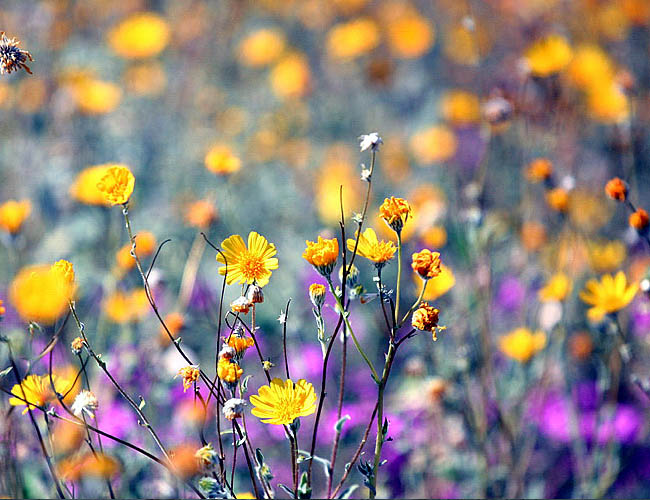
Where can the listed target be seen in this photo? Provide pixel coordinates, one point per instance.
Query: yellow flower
(201, 214)
(4, 310)
(282, 402)
(85, 190)
(96, 97)
(395, 212)
(425, 318)
(608, 103)
(65, 270)
(13, 213)
(557, 288)
(435, 144)
(336, 171)
(522, 344)
(78, 466)
(410, 35)
(248, 265)
(607, 256)
(548, 55)
(322, 254)
(229, 371)
(144, 34)
(40, 293)
(221, 160)
(460, 107)
(352, 39)
(317, 293)
(372, 249)
(121, 307)
(146, 79)
(558, 199)
(37, 390)
(240, 344)
(261, 47)
(590, 65)
(539, 170)
(290, 77)
(117, 184)
(438, 286)
(426, 263)
(609, 295)
(190, 375)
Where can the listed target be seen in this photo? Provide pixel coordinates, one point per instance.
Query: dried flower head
(370, 141)
(190, 375)
(426, 263)
(240, 305)
(616, 189)
(234, 408)
(207, 456)
(255, 294)
(317, 294)
(85, 402)
(227, 352)
(395, 212)
(12, 58)
(425, 318)
(639, 220)
(497, 110)
(322, 254)
(117, 184)
(76, 345)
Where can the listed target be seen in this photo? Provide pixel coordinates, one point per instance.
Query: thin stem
(339, 410)
(399, 277)
(415, 304)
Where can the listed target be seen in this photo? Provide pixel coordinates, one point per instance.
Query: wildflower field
(324, 249)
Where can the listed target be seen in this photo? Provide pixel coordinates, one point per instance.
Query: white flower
(234, 408)
(371, 140)
(85, 401)
(365, 174)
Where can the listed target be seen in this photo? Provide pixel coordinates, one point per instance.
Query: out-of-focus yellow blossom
(261, 47)
(117, 184)
(590, 65)
(539, 170)
(281, 402)
(290, 77)
(548, 55)
(438, 286)
(608, 256)
(410, 35)
(89, 464)
(556, 288)
(84, 189)
(6, 94)
(425, 318)
(434, 237)
(609, 295)
(37, 390)
(612, 22)
(336, 171)
(460, 107)
(40, 293)
(67, 437)
(145, 244)
(586, 210)
(349, 40)
(96, 97)
(637, 11)
(31, 95)
(175, 322)
(252, 264)
(347, 7)
(465, 46)
(146, 79)
(429, 202)
(533, 235)
(221, 160)
(13, 213)
(121, 307)
(200, 214)
(433, 145)
(522, 344)
(140, 35)
(371, 248)
(607, 103)
(558, 199)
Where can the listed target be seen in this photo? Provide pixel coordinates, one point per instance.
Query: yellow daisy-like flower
(248, 265)
(85, 190)
(522, 344)
(609, 295)
(548, 55)
(37, 390)
(13, 213)
(607, 256)
(322, 254)
(117, 184)
(557, 288)
(144, 34)
(40, 293)
(282, 402)
(371, 248)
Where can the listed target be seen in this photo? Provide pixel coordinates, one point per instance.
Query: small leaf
(142, 404)
(259, 458)
(5, 372)
(338, 426)
(304, 491)
(244, 384)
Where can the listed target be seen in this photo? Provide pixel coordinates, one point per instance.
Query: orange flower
(229, 371)
(322, 254)
(639, 220)
(145, 245)
(117, 184)
(190, 375)
(221, 160)
(558, 199)
(395, 212)
(13, 213)
(426, 263)
(317, 294)
(240, 343)
(426, 318)
(201, 214)
(539, 170)
(616, 189)
(2, 308)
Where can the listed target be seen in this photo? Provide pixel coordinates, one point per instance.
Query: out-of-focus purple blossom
(202, 297)
(471, 148)
(511, 294)
(640, 318)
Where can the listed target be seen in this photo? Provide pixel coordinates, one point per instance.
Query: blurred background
(502, 120)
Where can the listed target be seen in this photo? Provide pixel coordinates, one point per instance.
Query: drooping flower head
(609, 295)
(639, 220)
(13, 213)
(234, 408)
(317, 293)
(12, 58)
(371, 248)
(37, 391)
(252, 264)
(616, 189)
(241, 305)
(281, 402)
(426, 263)
(521, 344)
(117, 184)
(322, 254)
(239, 342)
(425, 318)
(395, 212)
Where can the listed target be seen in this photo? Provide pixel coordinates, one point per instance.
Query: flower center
(251, 265)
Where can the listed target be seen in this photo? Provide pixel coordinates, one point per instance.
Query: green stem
(415, 305)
